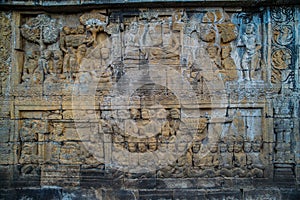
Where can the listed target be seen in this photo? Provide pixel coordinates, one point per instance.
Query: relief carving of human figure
(251, 57)
(26, 132)
(73, 43)
(131, 42)
(66, 48)
(46, 62)
(30, 65)
(255, 157)
(228, 64)
(239, 158)
(57, 62)
(170, 45)
(152, 39)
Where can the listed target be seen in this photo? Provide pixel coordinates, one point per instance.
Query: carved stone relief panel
(162, 102)
(180, 92)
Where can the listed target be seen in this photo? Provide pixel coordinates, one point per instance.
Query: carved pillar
(283, 74)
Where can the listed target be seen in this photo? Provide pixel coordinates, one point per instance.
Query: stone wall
(178, 102)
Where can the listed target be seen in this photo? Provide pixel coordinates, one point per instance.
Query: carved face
(27, 124)
(196, 147)
(80, 29)
(163, 147)
(257, 143)
(214, 148)
(47, 54)
(256, 146)
(174, 113)
(238, 147)
(212, 51)
(131, 147)
(135, 113)
(230, 148)
(208, 33)
(105, 53)
(134, 28)
(57, 55)
(249, 28)
(28, 149)
(223, 147)
(181, 147)
(145, 114)
(67, 30)
(73, 30)
(152, 146)
(165, 130)
(142, 147)
(247, 147)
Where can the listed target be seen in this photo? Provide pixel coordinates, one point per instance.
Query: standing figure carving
(251, 57)
(131, 42)
(30, 66)
(74, 43)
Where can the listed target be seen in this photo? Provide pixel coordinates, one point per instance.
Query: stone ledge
(100, 193)
(74, 5)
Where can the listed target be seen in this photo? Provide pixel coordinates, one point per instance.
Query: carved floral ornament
(282, 14)
(282, 34)
(281, 58)
(282, 40)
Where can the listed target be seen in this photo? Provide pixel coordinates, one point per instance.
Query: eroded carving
(102, 48)
(281, 59)
(251, 57)
(94, 22)
(5, 47)
(217, 33)
(283, 37)
(41, 30)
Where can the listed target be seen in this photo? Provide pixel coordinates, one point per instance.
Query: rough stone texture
(149, 103)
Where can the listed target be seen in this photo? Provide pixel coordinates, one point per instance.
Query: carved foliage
(282, 45)
(41, 30)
